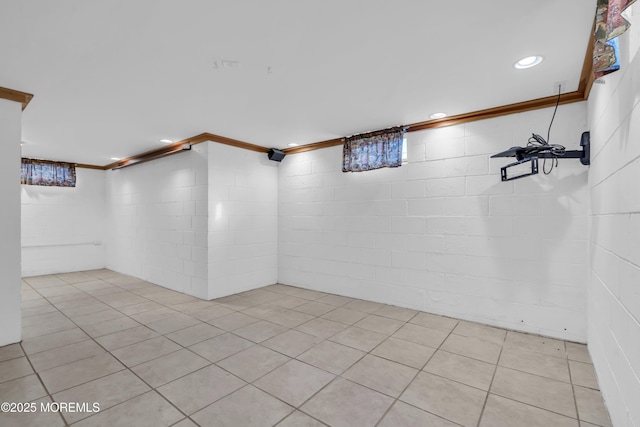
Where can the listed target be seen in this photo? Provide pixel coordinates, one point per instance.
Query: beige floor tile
(231, 411)
(33, 419)
(583, 374)
(106, 391)
(38, 310)
(261, 295)
(75, 277)
(144, 351)
(481, 332)
(421, 335)
(363, 306)
(14, 368)
(110, 326)
(210, 313)
(93, 307)
(79, 372)
(462, 369)
(473, 348)
(294, 382)
(43, 319)
(91, 318)
(379, 324)
(169, 367)
(291, 343)
(578, 352)
(290, 318)
(146, 410)
(544, 345)
(360, 339)
(172, 323)
(538, 391)
(405, 352)
(335, 300)
(55, 340)
(194, 334)
(535, 363)
(282, 289)
(264, 311)
(331, 357)
(63, 355)
(44, 281)
(154, 315)
(322, 328)
(221, 347)
(232, 321)
(236, 303)
(591, 407)
(47, 328)
(12, 351)
(398, 313)
(253, 363)
(501, 412)
(345, 404)
(24, 389)
(446, 398)
(139, 308)
(185, 423)
(126, 337)
(298, 419)
(260, 331)
(382, 375)
(344, 315)
(288, 301)
(310, 295)
(405, 415)
(192, 306)
(56, 291)
(315, 308)
(200, 388)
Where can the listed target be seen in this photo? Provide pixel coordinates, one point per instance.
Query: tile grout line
(493, 377)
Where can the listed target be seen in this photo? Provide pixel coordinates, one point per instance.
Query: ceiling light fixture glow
(528, 62)
(292, 144)
(438, 115)
(116, 158)
(166, 141)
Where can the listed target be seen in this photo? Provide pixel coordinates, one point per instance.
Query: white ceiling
(112, 78)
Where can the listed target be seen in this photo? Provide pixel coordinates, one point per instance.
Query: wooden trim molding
(17, 96)
(582, 94)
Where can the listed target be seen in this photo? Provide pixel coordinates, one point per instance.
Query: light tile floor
(278, 355)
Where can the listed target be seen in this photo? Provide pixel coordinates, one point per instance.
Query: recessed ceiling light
(116, 158)
(528, 62)
(293, 144)
(438, 115)
(166, 141)
(22, 142)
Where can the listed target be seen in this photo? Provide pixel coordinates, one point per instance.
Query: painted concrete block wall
(63, 229)
(614, 291)
(442, 233)
(157, 221)
(10, 136)
(243, 221)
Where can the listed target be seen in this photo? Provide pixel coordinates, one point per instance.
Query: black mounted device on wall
(276, 155)
(531, 153)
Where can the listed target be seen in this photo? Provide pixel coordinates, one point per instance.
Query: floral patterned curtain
(609, 25)
(45, 172)
(374, 150)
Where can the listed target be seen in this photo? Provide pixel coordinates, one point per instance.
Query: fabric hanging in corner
(609, 25)
(375, 150)
(48, 173)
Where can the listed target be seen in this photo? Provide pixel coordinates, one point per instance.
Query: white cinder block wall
(243, 221)
(157, 221)
(442, 233)
(614, 291)
(63, 229)
(10, 136)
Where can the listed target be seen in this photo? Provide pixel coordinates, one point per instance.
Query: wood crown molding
(582, 94)
(17, 96)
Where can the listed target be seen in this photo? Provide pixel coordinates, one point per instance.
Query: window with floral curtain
(609, 25)
(48, 173)
(375, 150)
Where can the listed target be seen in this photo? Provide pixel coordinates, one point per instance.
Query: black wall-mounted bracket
(529, 154)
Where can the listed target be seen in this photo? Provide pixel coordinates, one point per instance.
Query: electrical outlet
(562, 84)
